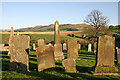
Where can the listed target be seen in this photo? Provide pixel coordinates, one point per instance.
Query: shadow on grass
(32, 55)
(86, 53)
(33, 67)
(82, 69)
(89, 58)
(5, 61)
(33, 59)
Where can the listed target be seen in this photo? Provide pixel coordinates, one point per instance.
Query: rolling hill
(63, 27)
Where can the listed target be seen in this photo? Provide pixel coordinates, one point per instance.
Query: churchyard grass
(87, 59)
(35, 37)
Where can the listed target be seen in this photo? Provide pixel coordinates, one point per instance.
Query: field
(87, 59)
(34, 37)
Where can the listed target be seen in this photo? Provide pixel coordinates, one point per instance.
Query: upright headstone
(58, 46)
(79, 47)
(105, 55)
(64, 46)
(18, 33)
(19, 55)
(34, 47)
(95, 48)
(41, 42)
(89, 47)
(118, 54)
(72, 49)
(69, 65)
(50, 44)
(10, 38)
(45, 57)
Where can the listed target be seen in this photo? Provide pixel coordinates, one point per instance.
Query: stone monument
(57, 46)
(72, 49)
(105, 55)
(69, 65)
(19, 54)
(45, 57)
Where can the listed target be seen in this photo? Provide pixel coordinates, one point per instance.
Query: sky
(31, 14)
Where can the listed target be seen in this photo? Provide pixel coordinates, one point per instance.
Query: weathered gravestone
(10, 38)
(64, 46)
(41, 42)
(45, 57)
(34, 47)
(95, 48)
(89, 47)
(105, 55)
(69, 65)
(72, 49)
(79, 47)
(19, 54)
(58, 46)
(118, 54)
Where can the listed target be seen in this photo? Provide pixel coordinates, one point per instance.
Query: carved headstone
(64, 46)
(95, 47)
(72, 49)
(19, 55)
(18, 33)
(105, 55)
(79, 47)
(89, 47)
(58, 46)
(41, 42)
(45, 57)
(10, 38)
(69, 65)
(118, 54)
(34, 47)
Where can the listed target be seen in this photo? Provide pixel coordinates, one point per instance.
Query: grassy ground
(34, 37)
(57, 73)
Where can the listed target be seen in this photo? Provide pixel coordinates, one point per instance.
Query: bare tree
(96, 19)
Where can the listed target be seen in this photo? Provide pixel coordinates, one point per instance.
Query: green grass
(35, 37)
(116, 31)
(87, 59)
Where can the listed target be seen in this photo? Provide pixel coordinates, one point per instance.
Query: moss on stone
(100, 69)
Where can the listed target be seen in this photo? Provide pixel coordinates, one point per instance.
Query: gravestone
(34, 47)
(72, 49)
(79, 47)
(10, 38)
(69, 65)
(45, 57)
(50, 44)
(118, 54)
(89, 47)
(18, 33)
(41, 42)
(95, 48)
(19, 54)
(105, 55)
(64, 46)
(58, 46)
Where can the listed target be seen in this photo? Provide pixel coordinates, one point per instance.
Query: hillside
(63, 27)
